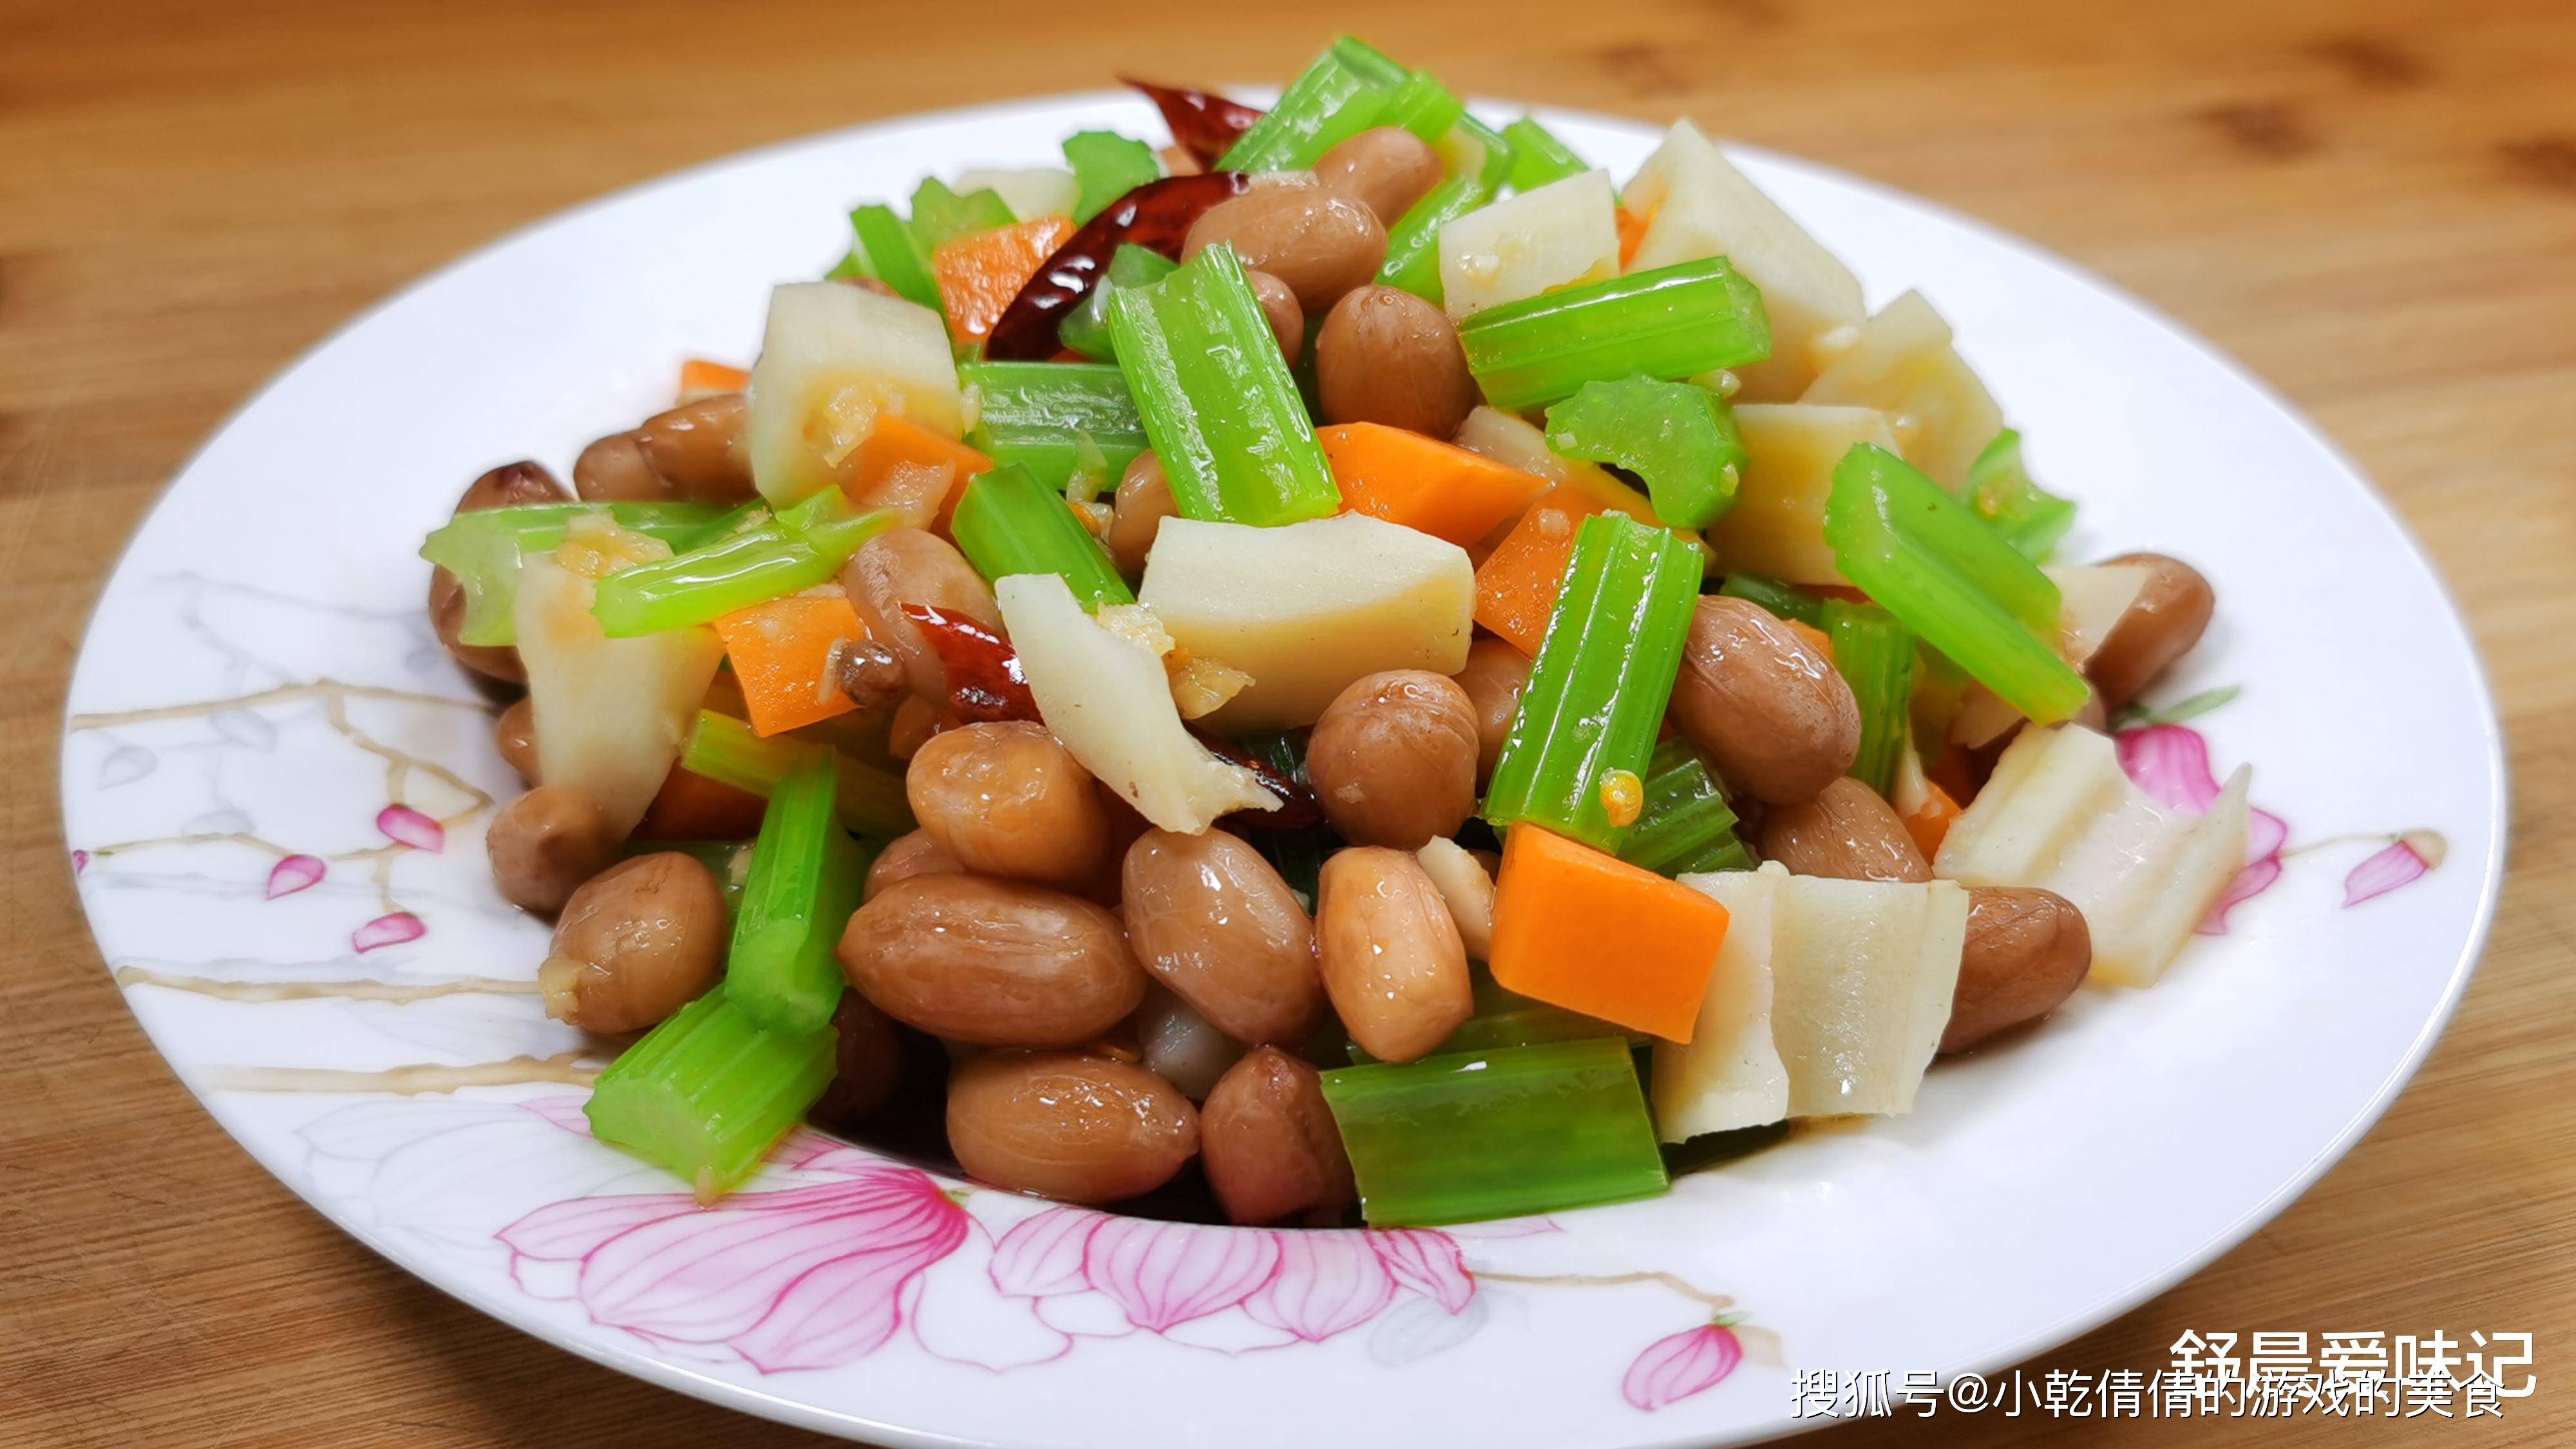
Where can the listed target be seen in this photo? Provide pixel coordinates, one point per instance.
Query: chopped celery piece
(1505, 1018)
(1106, 166)
(1672, 322)
(1423, 106)
(939, 214)
(1413, 243)
(1923, 556)
(853, 263)
(1781, 599)
(797, 549)
(894, 256)
(1686, 825)
(1496, 1133)
(1010, 523)
(1604, 673)
(1680, 438)
(1218, 402)
(1538, 157)
(1085, 329)
(1499, 154)
(2027, 516)
(804, 883)
(1338, 97)
(725, 750)
(1038, 413)
(483, 549)
(709, 1091)
(1876, 657)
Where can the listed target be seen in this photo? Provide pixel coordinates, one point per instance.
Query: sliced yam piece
(612, 714)
(1582, 929)
(1306, 608)
(1862, 973)
(781, 653)
(1107, 697)
(980, 272)
(2095, 597)
(1424, 484)
(2061, 815)
(833, 360)
(1777, 525)
(1701, 206)
(1902, 363)
(1558, 235)
(1730, 1074)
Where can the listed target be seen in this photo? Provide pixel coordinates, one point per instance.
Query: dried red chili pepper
(1156, 216)
(985, 682)
(1298, 807)
(1203, 124)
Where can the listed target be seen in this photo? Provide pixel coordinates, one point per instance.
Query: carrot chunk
(781, 653)
(1516, 586)
(1427, 485)
(979, 273)
(906, 466)
(701, 378)
(1931, 819)
(1584, 930)
(693, 807)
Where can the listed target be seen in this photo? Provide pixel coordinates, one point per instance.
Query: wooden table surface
(2371, 202)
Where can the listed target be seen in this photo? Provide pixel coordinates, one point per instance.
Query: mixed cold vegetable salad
(1349, 651)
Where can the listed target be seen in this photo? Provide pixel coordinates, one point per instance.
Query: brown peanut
(991, 963)
(867, 1061)
(1384, 168)
(1392, 959)
(1279, 308)
(697, 448)
(614, 469)
(637, 942)
(1068, 1125)
(1393, 758)
(1772, 714)
(1386, 356)
(1318, 241)
(1215, 923)
(1846, 832)
(514, 734)
(1144, 501)
(1268, 1141)
(910, 566)
(908, 855)
(2161, 625)
(1006, 799)
(2026, 952)
(545, 844)
(507, 486)
(1495, 675)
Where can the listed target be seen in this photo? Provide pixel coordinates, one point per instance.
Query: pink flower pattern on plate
(2406, 858)
(2170, 762)
(294, 873)
(1672, 1369)
(405, 826)
(392, 929)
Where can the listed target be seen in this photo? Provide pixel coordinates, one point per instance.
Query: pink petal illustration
(2406, 859)
(1672, 1369)
(1327, 1283)
(2256, 878)
(563, 1112)
(1428, 1263)
(1419, 1327)
(295, 873)
(1163, 1274)
(80, 861)
(390, 930)
(405, 826)
(568, 1231)
(2170, 763)
(1041, 1256)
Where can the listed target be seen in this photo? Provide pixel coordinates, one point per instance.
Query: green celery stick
(895, 257)
(725, 750)
(1496, 154)
(797, 549)
(1505, 1018)
(1876, 657)
(1423, 106)
(1010, 523)
(1038, 413)
(1686, 824)
(729, 861)
(708, 1092)
(804, 883)
(1672, 322)
(939, 214)
(1924, 557)
(2001, 492)
(1781, 599)
(1106, 166)
(1218, 402)
(853, 263)
(1085, 329)
(1337, 97)
(483, 549)
(1604, 673)
(1495, 1133)
(1680, 438)
(1413, 243)
(1538, 157)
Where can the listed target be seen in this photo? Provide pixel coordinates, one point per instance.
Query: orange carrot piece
(701, 378)
(979, 273)
(906, 466)
(693, 807)
(1578, 928)
(1516, 587)
(1931, 821)
(1425, 484)
(1632, 230)
(781, 653)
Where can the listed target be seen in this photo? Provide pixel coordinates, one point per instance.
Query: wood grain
(2371, 202)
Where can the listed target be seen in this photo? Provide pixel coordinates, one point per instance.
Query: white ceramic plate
(259, 687)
